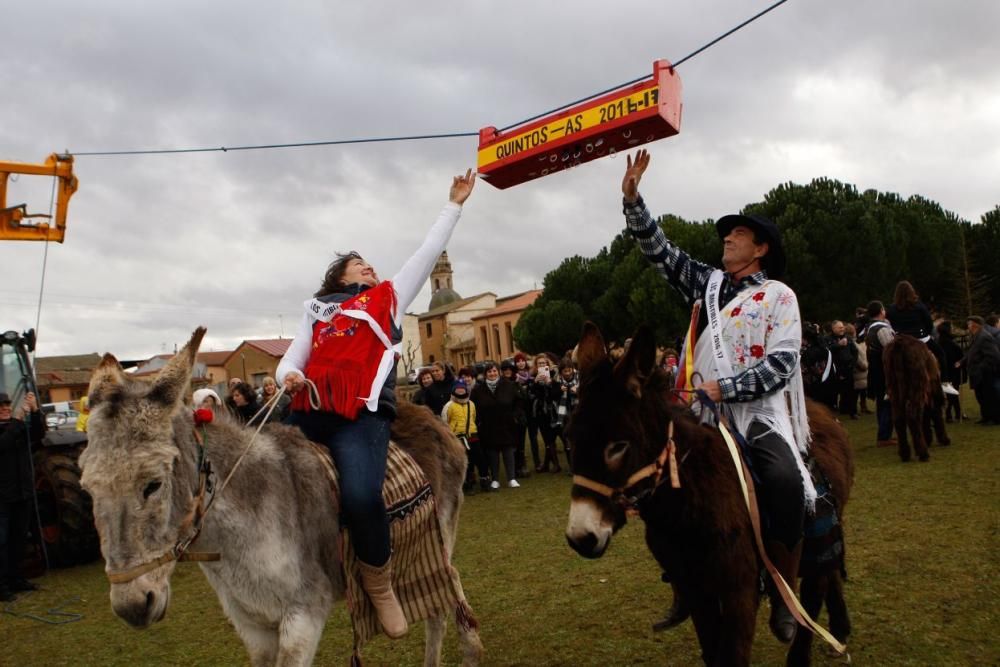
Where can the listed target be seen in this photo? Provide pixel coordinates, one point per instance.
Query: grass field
(922, 545)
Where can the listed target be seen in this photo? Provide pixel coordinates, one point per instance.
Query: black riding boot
(783, 624)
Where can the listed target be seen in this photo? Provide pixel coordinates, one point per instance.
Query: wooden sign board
(629, 117)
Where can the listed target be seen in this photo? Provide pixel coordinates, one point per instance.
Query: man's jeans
(883, 414)
(359, 449)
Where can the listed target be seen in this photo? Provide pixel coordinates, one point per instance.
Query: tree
(844, 247)
(553, 327)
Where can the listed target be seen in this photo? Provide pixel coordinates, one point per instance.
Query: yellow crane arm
(16, 224)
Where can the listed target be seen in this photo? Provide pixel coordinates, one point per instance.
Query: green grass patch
(922, 557)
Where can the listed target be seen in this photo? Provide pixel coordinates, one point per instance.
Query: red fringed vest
(350, 359)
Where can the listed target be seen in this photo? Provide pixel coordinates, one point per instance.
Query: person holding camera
(20, 433)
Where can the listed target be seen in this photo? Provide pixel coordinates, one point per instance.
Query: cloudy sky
(897, 96)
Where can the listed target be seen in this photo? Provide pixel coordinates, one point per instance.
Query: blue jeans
(359, 449)
(883, 414)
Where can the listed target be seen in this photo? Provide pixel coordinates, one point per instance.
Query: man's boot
(377, 582)
(783, 624)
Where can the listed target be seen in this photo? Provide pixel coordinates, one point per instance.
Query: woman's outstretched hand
(461, 187)
(633, 174)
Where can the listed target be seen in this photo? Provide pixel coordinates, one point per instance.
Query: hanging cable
(45, 264)
(336, 142)
(645, 76)
(449, 135)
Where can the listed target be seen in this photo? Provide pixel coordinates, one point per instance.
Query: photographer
(19, 434)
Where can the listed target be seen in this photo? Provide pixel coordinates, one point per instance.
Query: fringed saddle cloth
(423, 578)
(823, 543)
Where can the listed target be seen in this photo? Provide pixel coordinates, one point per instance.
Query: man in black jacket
(18, 434)
(845, 358)
(982, 360)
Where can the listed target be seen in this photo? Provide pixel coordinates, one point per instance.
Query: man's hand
(294, 382)
(461, 187)
(712, 389)
(633, 174)
(28, 404)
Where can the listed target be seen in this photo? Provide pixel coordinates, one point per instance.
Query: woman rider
(346, 349)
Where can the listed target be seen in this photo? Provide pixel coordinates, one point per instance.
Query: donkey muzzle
(588, 533)
(139, 604)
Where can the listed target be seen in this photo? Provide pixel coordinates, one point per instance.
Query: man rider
(749, 336)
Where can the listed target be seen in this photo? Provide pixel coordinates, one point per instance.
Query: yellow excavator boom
(16, 223)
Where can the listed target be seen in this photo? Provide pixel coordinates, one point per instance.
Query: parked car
(59, 416)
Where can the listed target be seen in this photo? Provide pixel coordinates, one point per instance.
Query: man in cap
(747, 356)
(18, 434)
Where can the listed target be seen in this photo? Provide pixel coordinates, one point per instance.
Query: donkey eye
(618, 447)
(151, 488)
(613, 452)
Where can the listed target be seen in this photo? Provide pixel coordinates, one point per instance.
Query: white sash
(723, 367)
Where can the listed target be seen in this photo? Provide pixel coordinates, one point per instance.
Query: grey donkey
(275, 524)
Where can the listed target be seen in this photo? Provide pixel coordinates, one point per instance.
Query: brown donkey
(913, 382)
(700, 533)
(275, 525)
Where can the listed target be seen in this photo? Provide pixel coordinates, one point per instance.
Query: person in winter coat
(460, 415)
(439, 391)
(816, 362)
(860, 372)
(543, 394)
(508, 371)
(268, 389)
(877, 337)
(845, 359)
(951, 371)
(569, 387)
(982, 360)
(908, 315)
(19, 434)
(497, 405)
(244, 402)
(528, 426)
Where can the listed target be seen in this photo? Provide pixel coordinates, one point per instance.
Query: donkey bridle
(197, 508)
(619, 495)
(188, 531)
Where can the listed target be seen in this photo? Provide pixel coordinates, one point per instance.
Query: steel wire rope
(415, 137)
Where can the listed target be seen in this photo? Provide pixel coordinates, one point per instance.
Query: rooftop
(512, 304)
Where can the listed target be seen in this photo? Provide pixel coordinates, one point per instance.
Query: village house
(64, 378)
(494, 329)
(253, 360)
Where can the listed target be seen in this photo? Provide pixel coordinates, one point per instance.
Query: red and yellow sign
(642, 113)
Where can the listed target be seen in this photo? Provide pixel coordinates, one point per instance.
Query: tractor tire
(65, 509)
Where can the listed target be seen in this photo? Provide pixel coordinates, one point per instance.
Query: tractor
(66, 517)
(64, 509)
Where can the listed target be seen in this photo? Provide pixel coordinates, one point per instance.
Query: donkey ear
(591, 349)
(638, 363)
(171, 383)
(106, 382)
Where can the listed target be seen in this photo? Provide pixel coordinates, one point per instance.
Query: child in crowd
(460, 415)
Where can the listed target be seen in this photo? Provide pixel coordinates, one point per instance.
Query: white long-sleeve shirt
(407, 283)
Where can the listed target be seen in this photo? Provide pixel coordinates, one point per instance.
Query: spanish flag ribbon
(685, 371)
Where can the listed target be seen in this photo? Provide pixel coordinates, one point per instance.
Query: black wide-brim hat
(774, 261)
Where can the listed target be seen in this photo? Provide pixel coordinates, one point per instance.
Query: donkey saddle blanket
(423, 578)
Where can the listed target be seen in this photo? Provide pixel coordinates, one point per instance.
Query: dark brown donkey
(913, 382)
(700, 533)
